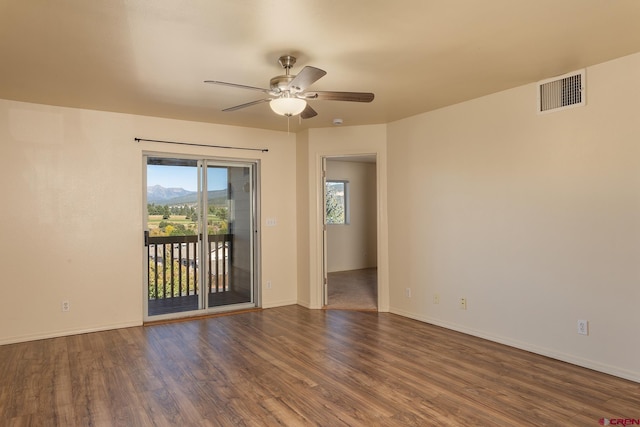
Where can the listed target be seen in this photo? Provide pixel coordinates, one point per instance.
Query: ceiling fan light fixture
(287, 93)
(288, 106)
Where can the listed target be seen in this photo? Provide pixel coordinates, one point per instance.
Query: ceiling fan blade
(305, 78)
(308, 112)
(238, 86)
(248, 104)
(341, 96)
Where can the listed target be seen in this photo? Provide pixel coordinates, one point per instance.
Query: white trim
(281, 303)
(578, 361)
(304, 304)
(321, 209)
(316, 227)
(69, 332)
(143, 247)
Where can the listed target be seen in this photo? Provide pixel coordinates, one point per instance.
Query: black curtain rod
(264, 150)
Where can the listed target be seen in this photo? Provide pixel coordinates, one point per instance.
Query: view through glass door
(199, 236)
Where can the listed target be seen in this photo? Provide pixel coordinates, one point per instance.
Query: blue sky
(185, 177)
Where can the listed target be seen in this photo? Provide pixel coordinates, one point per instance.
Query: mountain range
(173, 196)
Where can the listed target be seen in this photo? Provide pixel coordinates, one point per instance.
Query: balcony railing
(173, 268)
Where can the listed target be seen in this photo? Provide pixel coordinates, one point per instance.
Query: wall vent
(562, 92)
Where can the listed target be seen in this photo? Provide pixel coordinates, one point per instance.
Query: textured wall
(535, 219)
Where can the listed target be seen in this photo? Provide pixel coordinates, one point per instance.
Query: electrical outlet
(583, 327)
(268, 284)
(463, 303)
(407, 292)
(436, 298)
(66, 306)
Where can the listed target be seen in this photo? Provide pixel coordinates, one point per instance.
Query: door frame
(322, 262)
(256, 255)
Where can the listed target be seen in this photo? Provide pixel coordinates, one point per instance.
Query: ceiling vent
(562, 92)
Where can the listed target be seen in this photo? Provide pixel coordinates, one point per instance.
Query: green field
(174, 223)
(154, 220)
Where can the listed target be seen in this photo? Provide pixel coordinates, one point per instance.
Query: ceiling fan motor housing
(281, 83)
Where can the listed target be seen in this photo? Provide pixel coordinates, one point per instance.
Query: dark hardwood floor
(296, 367)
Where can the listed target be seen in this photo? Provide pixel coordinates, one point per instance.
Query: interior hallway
(353, 290)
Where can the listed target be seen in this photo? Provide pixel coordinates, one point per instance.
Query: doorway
(350, 233)
(200, 239)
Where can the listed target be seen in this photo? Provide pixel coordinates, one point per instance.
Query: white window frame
(345, 201)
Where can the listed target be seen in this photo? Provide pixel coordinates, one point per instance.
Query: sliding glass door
(200, 238)
(231, 258)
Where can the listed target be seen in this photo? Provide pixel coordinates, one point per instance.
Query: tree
(335, 206)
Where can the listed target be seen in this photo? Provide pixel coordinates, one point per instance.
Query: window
(336, 196)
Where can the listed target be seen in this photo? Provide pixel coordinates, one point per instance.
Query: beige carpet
(353, 290)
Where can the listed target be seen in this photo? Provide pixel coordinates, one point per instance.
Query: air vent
(561, 92)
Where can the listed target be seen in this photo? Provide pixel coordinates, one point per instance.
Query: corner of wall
(302, 215)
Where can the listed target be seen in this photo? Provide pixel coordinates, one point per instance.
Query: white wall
(352, 246)
(535, 219)
(72, 214)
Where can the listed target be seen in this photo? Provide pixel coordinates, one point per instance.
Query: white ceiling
(151, 57)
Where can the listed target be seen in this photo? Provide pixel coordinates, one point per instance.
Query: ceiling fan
(288, 95)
